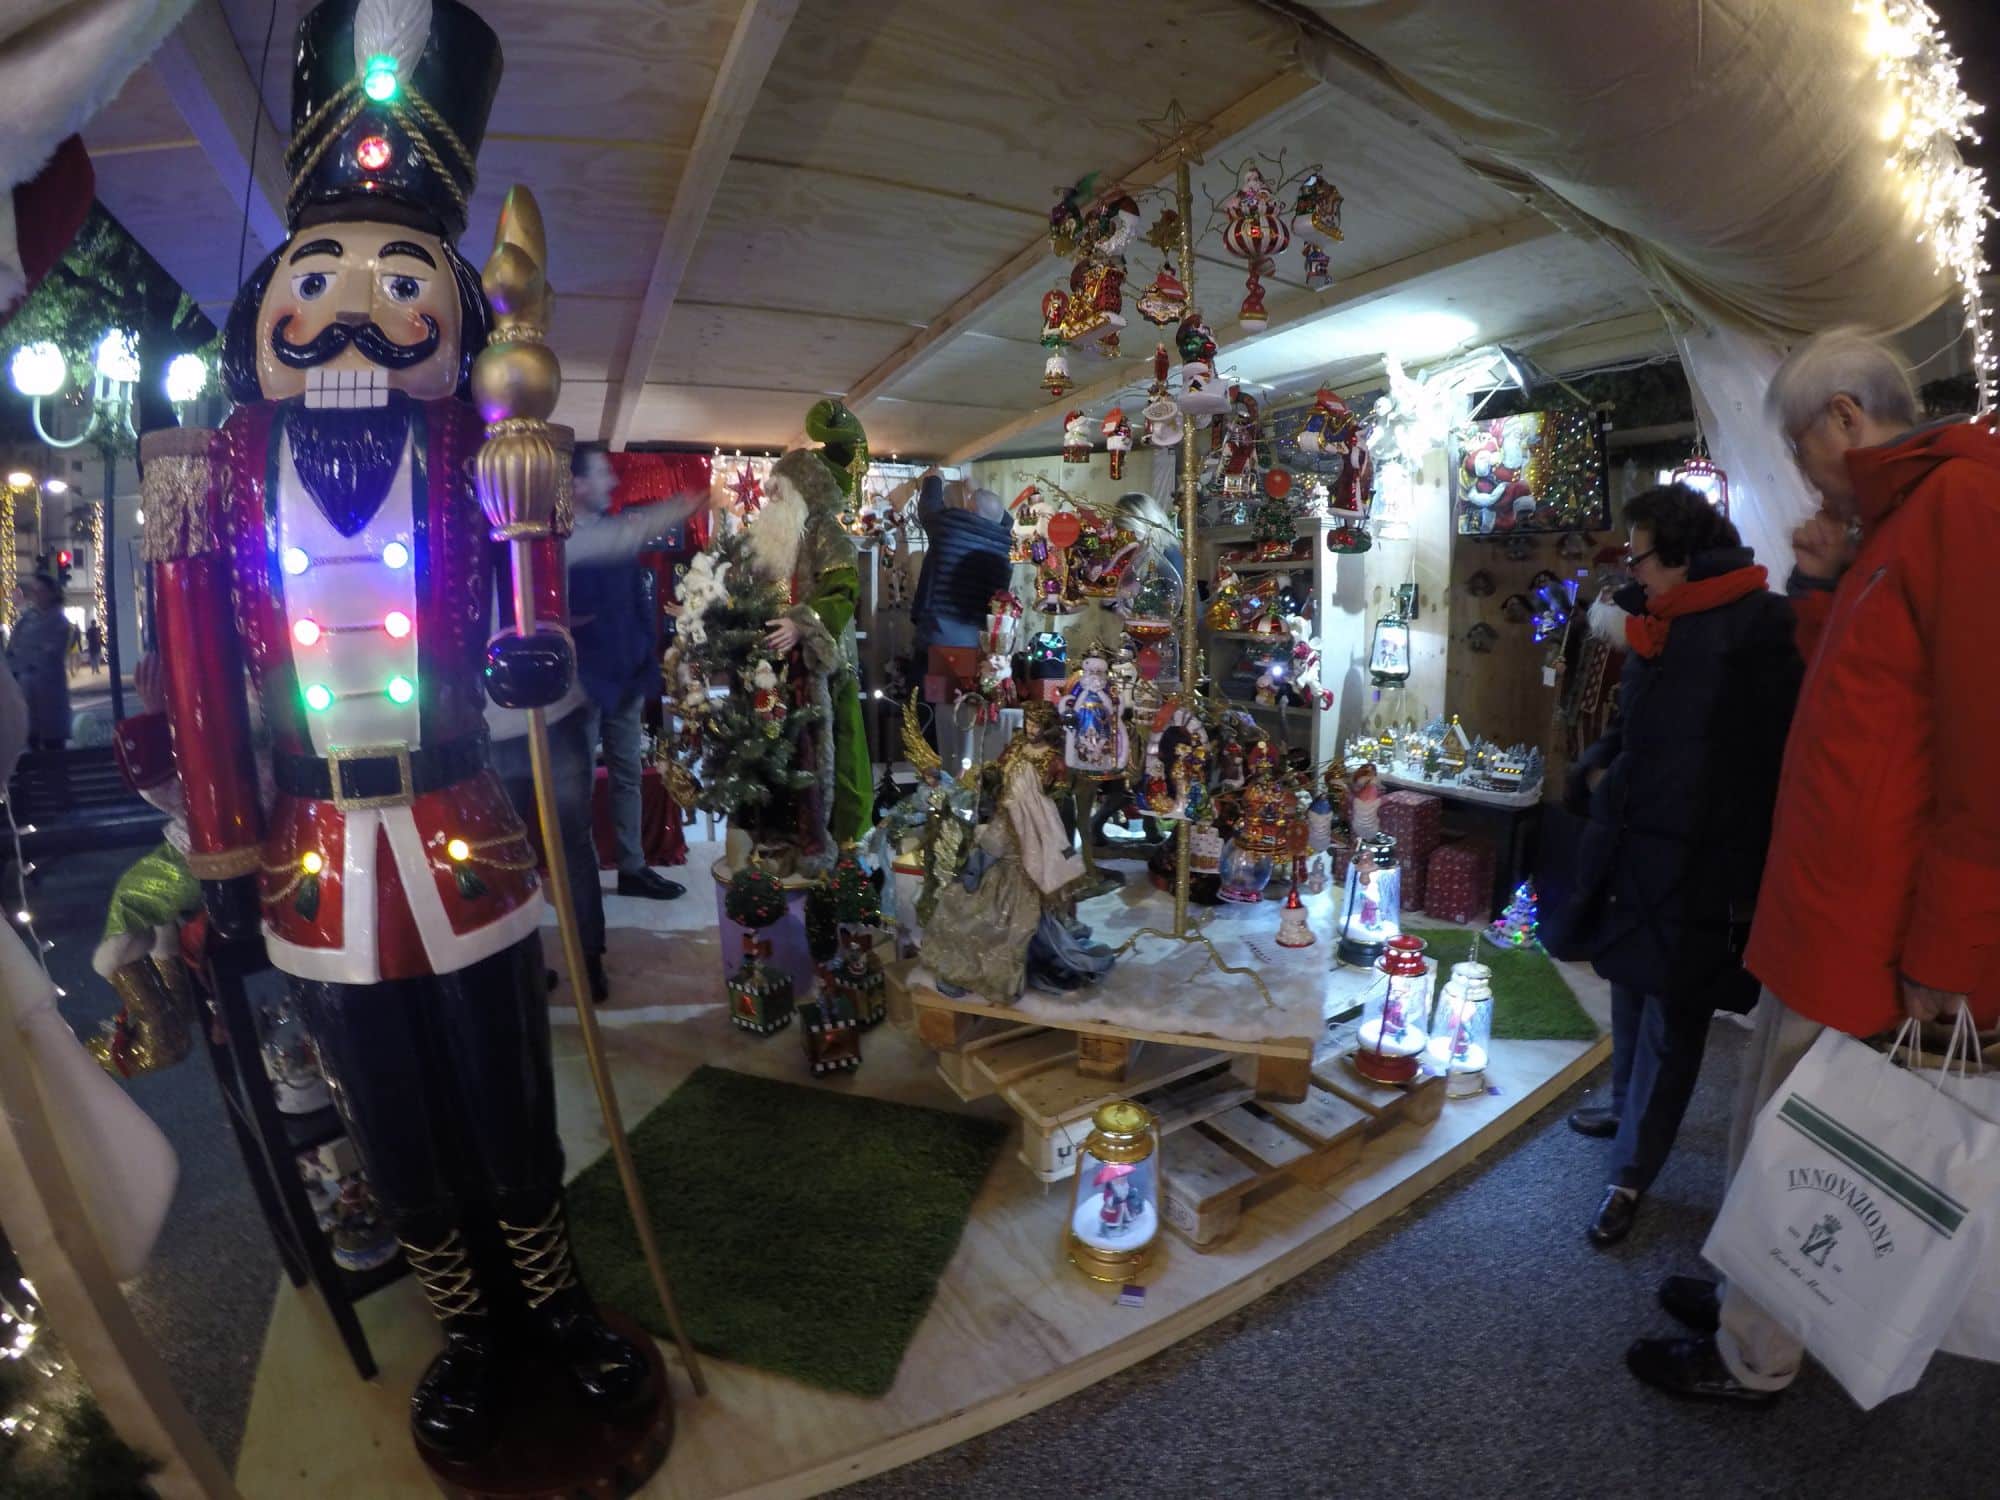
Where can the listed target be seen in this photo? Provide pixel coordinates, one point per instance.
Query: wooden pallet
(1100, 1051)
(1233, 1154)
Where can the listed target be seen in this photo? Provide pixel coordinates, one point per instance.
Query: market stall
(1137, 626)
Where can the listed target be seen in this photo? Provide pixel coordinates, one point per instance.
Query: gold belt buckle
(403, 796)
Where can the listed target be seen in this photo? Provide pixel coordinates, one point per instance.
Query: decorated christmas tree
(1271, 525)
(749, 738)
(1516, 926)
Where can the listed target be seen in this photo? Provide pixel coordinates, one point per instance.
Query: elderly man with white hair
(1881, 892)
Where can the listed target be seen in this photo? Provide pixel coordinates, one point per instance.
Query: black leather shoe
(608, 1370)
(1614, 1217)
(649, 884)
(452, 1408)
(1595, 1122)
(600, 984)
(1693, 1301)
(1691, 1369)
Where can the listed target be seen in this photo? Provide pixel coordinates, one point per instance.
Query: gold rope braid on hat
(412, 112)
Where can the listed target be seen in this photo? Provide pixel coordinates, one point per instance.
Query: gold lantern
(1114, 1220)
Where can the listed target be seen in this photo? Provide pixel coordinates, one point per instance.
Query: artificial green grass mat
(803, 1229)
(1532, 1002)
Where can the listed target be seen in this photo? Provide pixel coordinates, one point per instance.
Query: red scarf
(1647, 633)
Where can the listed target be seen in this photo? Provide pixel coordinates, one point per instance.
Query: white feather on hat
(393, 28)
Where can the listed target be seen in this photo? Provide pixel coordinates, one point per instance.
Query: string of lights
(1929, 115)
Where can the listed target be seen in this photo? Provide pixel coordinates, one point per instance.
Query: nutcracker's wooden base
(553, 1447)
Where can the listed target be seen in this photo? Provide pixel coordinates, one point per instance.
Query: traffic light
(63, 561)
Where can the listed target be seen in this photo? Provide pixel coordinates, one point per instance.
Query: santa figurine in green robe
(796, 542)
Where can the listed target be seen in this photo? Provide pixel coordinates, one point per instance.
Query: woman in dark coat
(1679, 794)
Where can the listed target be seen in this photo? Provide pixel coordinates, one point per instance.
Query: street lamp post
(40, 371)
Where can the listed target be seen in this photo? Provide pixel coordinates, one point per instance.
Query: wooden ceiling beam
(760, 29)
(1354, 291)
(1267, 107)
(211, 86)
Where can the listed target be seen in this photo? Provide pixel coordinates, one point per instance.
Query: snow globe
(1392, 1039)
(1373, 912)
(1464, 1030)
(1114, 1218)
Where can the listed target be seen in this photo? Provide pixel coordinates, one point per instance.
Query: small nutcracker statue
(856, 974)
(328, 538)
(831, 1032)
(760, 993)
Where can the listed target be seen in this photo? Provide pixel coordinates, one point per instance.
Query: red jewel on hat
(373, 153)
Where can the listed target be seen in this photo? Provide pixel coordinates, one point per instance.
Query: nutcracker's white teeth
(346, 389)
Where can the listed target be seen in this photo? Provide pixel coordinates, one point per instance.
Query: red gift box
(1415, 821)
(1459, 881)
(1414, 884)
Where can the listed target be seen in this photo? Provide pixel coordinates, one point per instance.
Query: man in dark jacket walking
(1679, 793)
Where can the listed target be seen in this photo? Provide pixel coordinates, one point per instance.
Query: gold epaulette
(178, 474)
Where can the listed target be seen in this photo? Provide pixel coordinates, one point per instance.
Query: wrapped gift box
(1415, 820)
(1458, 883)
(1414, 892)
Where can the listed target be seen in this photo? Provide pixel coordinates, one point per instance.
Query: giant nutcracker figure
(328, 538)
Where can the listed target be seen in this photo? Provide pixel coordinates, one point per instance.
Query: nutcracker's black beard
(347, 459)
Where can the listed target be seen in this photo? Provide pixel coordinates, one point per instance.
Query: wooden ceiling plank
(1355, 291)
(211, 86)
(760, 27)
(1269, 105)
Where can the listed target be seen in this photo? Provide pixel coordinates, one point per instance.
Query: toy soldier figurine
(328, 536)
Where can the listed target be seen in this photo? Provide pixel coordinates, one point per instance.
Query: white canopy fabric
(1733, 148)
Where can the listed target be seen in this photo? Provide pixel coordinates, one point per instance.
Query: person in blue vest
(615, 618)
(966, 563)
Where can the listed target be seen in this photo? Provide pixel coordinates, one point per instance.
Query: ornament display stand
(272, 1142)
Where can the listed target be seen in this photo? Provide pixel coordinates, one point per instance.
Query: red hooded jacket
(1885, 847)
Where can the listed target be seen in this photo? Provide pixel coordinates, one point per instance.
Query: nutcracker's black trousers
(445, 1087)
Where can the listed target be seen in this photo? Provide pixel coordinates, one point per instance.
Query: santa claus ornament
(1077, 438)
(1117, 439)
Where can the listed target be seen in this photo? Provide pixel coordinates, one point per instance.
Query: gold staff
(522, 479)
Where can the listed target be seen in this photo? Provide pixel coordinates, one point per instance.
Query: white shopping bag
(1859, 1216)
(1975, 1332)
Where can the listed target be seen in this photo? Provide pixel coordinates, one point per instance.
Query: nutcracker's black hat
(389, 104)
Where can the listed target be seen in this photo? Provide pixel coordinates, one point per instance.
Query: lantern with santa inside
(1114, 1218)
(1389, 1048)
(1463, 1030)
(1373, 911)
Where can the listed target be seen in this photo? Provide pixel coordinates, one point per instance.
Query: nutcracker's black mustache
(376, 346)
